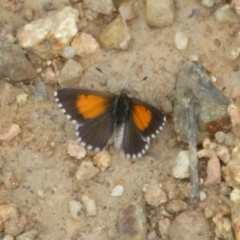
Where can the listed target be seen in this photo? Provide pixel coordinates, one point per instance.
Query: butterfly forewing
(96, 133)
(148, 119)
(91, 112)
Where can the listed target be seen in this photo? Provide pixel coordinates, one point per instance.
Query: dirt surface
(36, 162)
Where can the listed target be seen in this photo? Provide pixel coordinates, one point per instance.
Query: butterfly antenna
(127, 86)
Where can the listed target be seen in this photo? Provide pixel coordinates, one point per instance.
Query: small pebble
(102, 160)
(222, 152)
(220, 137)
(154, 195)
(232, 173)
(202, 195)
(207, 151)
(235, 195)
(39, 70)
(213, 79)
(214, 149)
(163, 227)
(9, 211)
(40, 193)
(75, 208)
(28, 14)
(181, 169)
(164, 212)
(208, 213)
(227, 14)
(68, 52)
(236, 5)
(75, 150)
(223, 228)
(105, 7)
(206, 143)
(126, 10)
(193, 58)
(7, 237)
(181, 40)
(117, 191)
(50, 76)
(22, 99)
(9, 178)
(152, 235)
(207, 3)
(90, 205)
(85, 44)
(167, 105)
(86, 171)
(176, 206)
(90, 14)
(234, 53)
(12, 133)
(234, 114)
(10, 38)
(213, 172)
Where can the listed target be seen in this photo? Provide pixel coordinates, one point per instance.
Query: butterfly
(100, 116)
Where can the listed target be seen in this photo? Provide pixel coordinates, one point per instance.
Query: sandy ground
(37, 159)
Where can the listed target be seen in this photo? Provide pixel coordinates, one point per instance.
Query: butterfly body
(100, 116)
(122, 109)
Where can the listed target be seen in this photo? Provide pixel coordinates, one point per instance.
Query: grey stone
(132, 223)
(40, 92)
(70, 74)
(13, 63)
(210, 105)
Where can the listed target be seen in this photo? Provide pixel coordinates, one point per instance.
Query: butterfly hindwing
(134, 145)
(96, 133)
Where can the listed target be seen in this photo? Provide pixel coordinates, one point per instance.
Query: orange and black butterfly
(99, 116)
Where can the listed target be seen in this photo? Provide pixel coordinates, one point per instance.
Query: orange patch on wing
(91, 106)
(142, 117)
